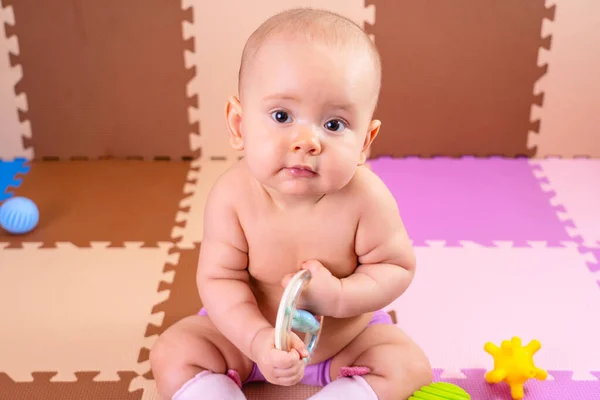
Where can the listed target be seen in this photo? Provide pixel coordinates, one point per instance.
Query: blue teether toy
(289, 317)
(19, 215)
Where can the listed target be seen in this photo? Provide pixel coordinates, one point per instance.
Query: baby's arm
(222, 276)
(385, 254)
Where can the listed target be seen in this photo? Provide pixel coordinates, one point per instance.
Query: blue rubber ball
(19, 215)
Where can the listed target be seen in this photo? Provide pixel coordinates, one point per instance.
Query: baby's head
(309, 83)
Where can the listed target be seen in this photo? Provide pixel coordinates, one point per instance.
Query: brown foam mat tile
(104, 80)
(463, 95)
(42, 387)
(102, 201)
(264, 391)
(183, 297)
(201, 178)
(70, 309)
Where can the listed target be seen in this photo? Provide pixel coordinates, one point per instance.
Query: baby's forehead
(318, 27)
(281, 48)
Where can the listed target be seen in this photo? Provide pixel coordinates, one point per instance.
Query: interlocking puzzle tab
(11, 173)
(513, 364)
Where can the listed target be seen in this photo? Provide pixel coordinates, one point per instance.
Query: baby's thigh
(191, 345)
(395, 362)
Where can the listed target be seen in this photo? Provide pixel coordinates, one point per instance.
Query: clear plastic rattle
(288, 317)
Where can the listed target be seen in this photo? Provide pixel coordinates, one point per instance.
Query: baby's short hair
(314, 24)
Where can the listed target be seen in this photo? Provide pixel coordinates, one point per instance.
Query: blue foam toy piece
(8, 176)
(19, 215)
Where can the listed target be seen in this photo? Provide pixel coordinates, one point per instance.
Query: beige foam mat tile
(569, 117)
(218, 49)
(201, 178)
(73, 309)
(11, 137)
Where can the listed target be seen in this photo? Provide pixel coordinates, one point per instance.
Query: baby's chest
(279, 247)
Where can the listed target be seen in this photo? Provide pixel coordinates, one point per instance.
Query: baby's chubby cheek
(338, 174)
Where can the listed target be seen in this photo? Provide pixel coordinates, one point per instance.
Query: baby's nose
(307, 141)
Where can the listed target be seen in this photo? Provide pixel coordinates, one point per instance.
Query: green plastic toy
(440, 391)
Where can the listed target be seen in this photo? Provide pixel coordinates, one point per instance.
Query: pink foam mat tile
(462, 298)
(475, 199)
(574, 185)
(560, 385)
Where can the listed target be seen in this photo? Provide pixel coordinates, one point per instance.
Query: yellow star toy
(514, 365)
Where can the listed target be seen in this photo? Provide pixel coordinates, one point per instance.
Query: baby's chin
(308, 189)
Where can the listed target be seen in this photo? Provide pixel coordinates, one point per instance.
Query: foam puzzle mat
(505, 247)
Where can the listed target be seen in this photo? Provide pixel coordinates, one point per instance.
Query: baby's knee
(419, 369)
(158, 353)
(174, 359)
(408, 370)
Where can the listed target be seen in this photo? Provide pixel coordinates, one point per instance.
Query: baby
(301, 198)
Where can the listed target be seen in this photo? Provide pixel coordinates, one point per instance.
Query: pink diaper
(315, 374)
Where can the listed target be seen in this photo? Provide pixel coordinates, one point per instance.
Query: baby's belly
(336, 333)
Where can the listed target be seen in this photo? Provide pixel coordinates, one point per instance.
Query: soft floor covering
(505, 248)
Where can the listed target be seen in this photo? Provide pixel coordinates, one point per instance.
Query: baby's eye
(280, 116)
(335, 125)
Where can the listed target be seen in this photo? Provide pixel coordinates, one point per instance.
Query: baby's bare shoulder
(368, 189)
(221, 217)
(230, 186)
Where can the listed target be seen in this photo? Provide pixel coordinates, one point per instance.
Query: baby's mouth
(301, 171)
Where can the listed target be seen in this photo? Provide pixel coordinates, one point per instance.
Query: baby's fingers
(284, 360)
(289, 376)
(287, 372)
(298, 345)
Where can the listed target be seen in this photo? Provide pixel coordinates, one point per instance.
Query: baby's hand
(279, 367)
(321, 296)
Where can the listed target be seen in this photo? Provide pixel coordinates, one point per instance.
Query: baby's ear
(371, 135)
(233, 120)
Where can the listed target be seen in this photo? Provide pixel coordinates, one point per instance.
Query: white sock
(208, 385)
(348, 388)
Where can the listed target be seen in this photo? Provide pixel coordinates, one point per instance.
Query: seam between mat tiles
(555, 201)
(539, 88)
(184, 205)
(158, 313)
(189, 51)
(83, 379)
(8, 19)
(583, 247)
(97, 244)
(497, 244)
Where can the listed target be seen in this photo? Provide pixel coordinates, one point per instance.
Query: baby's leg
(192, 356)
(393, 365)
